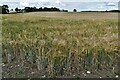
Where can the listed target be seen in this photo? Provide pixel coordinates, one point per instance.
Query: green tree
(16, 9)
(74, 10)
(4, 9)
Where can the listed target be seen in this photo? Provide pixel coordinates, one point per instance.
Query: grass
(60, 46)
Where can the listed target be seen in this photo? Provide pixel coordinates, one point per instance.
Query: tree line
(34, 9)
(5, 9)
(104, 11)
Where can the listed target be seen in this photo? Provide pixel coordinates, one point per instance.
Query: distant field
(76, 16)
(52, 44)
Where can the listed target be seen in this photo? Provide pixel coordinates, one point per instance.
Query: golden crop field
(52, 44)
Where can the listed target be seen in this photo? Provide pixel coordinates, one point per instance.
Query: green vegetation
(60, 46)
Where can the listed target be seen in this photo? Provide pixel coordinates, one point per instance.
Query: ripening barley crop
(59, 47)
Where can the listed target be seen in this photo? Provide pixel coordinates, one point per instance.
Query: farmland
(51, 44)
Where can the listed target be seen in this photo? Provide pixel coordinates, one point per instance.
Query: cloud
(101, 7)
(59, 3)
(24, 3)
(110, 4)
(45, 0)
(60, 0)
(113, 8)
(1, 4)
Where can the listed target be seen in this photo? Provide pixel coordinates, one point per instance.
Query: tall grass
(62, 47)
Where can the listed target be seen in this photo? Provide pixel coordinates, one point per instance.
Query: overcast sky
(61, 0)
(80, 5)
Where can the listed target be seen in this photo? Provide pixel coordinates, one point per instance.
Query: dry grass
(62, 44)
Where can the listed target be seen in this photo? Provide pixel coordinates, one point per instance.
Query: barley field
(52, 44)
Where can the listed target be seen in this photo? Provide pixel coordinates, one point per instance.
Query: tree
(16, 9)
(4, 9)
(5, 6)
(11, 9)
(64, 10)
(74, 10)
